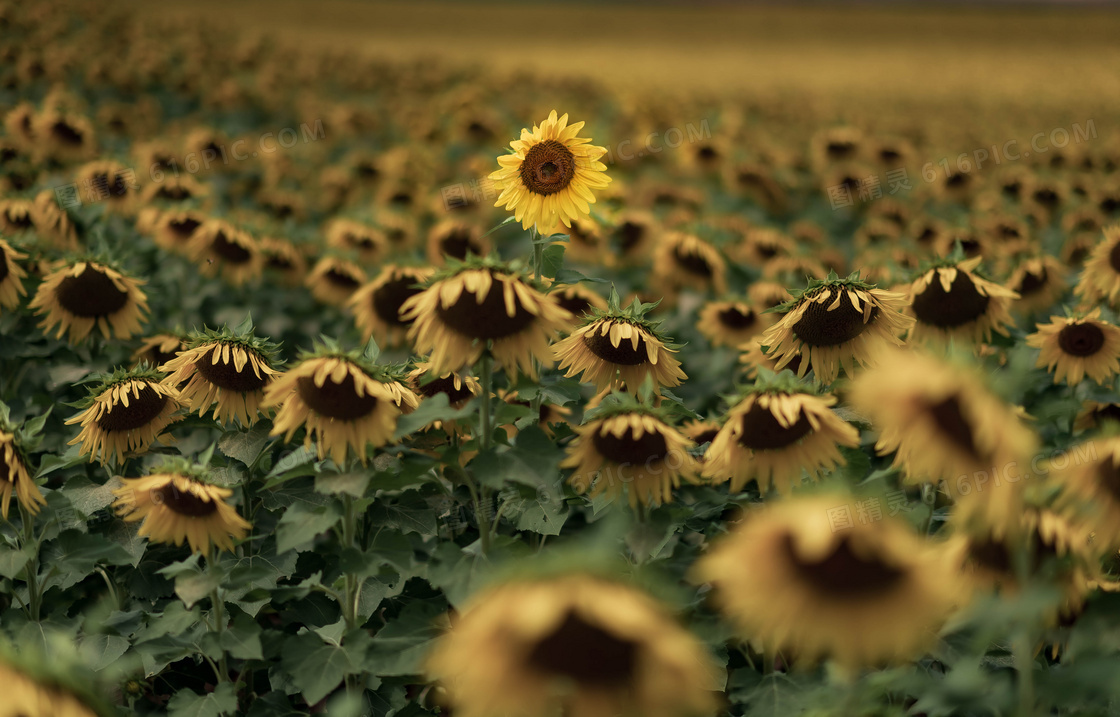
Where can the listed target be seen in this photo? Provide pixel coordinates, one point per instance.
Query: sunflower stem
(31, 570)
(1024, 663)
(218, 609)
(351, 584)
(485, 419)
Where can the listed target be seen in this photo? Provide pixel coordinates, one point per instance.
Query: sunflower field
(332, 384)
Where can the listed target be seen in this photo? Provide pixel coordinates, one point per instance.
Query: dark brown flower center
(842, 573)
(840, 150)
(630, 234)
(18, 220)
(692, 262)
(623, 355)
(1108, 476)
(485, 320)
(762, 431)
(183, 502)
(949, 418)
(230, 249)
(1032, 283)
(226, 376)
(342, 278)
(335, 400)
(574, 303)
(141, 410)
(1081, 339)
(1108, 412)
(388, 298)
(820, 327)
(991, 555)
(457, 242)
(548, 167)
(629, 449)
(1114, 257)
(183, 229)
(962, 304)
(586, 654)
(447, 386)
(3, 265)
(66, 134)
(706, 436)
(737, 320)
(90, 294)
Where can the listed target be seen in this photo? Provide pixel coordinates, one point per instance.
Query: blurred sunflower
(864, 595)
(30, 695)
(1078, 346)
(685, 261)
(768, 294)
(836, 324)
(634, 233)
(109, 182)
(951, 301)
(776, 431)
(585, 241)
(11, 276)
(480, 302)
(631, 447)
(178, 503)
(548, 178)
(579, 300)
(1039, 281)
(377, 305)
(282, 259)
(63, 136)
(334, 279)
(158, 349)
(174, 230)
(346, 402)
(15, 473)
(455, 238)
(16, 215)
(53, 225)
(573, 644)
(368, 243)
(124, 413)
(1090, 477)
(731, 322)
(226, 370)
(173, 190)
(1100, 279)
(620, 346)
(219, 248)
(78, 297)
(1094, 415)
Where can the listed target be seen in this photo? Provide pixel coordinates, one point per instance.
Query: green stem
(219, 610)
(538, 253)
(485, 418)
(352, 585)
(1023, 655)
(31, 570)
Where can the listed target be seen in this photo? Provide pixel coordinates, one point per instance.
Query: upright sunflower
(951, 301)
(478, 303)
(78, 297)
(571, 644)
(836, 324)
(346, 402)
(620, 346)
(178, 503)
(776, 431)
(1100, 279)
(15, 473)
(1073, 347)
(548, 178)
(124, 413)
(11, 276)
(377, 305)
(628, 446)
(863, 595)
(226, 370)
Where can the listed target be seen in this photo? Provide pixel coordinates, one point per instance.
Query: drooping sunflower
(836, 324)
(754, 356)
(548, 178)
(633, 448)
(16, 216)
(158, 349)
(951, 301)
(1100, 279)
(110, 182)
(571, 644)
(83, 295)
(478, 303)
(1090, 476)
(1039, 282)
(768, 294)
(549, 415)
(864, 595)
(11, 276)
(685, 261)
(283, 259)
(346, 402)
(52, 223)
(620, 346)
(1095, 415)
(221, 249)
(334, 279)
(124, 414)
(15, 473)
(579, 300)
(732, 322)
(368, 243)
(455, 238)
(633, 235)
(459, 388)
(226, 370)
(377, 305)
(776, 432)
(1078, 346)
(178, 503)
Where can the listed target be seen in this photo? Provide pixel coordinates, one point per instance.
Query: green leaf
(245, 446)
(432, 409)
(12, 561)
(399, 647)
(353, 483)
(316, 668)
(552, 258)
(242, 638)
(187, 703)
(99, 651)
(411, 513)
(302, 522)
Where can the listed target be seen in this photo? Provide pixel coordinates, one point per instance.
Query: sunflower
(1039, 281)
(572, 644)
(1100, 279)
(620, 346)
(548, 178)
(731, 322)
(768, 294)
(11, 276)
(369, 243)
(333, 280)
(173, 190)
(284, 260)
(700, 431)
(630, 447)
(1090, 476)
(836, 145)
(1094, 415)
(754, 356)
(549, 415)
(174, 230)
(224, 370)
(220, 248)
(78, 297)
(945, 427)
(1078, 346)
(109, 181)
(124, 413)
(864, 595)
(16, 215)
(685, 261)
(470, 305)
(14, 473)
(586, 241)
(836, 324)
(52, 223)
(377, 305)
(63, 136)
(579, 300)
(346, 403)
(458, 387)
(178, 503)
(26, 695)
(158, 349)
(633, 235)
(775, 432)
(455, 238)
(950, 301)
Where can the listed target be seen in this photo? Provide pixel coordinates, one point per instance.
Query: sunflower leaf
(187, 703)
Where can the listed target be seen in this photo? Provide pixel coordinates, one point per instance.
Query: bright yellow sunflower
(864, 594)
(1078, 346)
(76, 298)
(572, 644)
(124, 413)
(377, 305)
(548, 178)
(836, 324)
(178, 503)
(951, 301)
(11, 276)
(481, 303)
